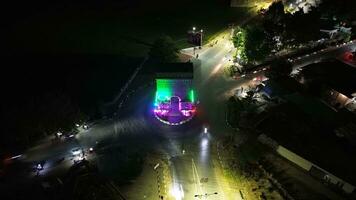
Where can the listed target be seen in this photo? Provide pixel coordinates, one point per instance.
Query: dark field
(110, 27)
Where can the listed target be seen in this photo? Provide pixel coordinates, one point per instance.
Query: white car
(85, 126)
(76, 151)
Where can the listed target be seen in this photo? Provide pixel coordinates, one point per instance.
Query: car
(39, 166)
(85, 126)
(78, 158)
(76, 151)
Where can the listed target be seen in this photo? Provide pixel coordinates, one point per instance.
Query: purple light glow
(174, 101)
(174, 112)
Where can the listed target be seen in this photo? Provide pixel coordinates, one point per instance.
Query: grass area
(112, 30)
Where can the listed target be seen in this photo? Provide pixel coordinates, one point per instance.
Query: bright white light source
(39, 167)
(76, 152)
(79, 158)
(177, 191)
(204, 143)
(14, 157)
(205, 130)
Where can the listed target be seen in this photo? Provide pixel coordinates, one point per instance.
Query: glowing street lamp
(201, 38)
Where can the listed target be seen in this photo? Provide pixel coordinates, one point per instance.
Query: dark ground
(108, 27)
(84, 51)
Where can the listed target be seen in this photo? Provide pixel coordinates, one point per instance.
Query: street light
(194, 28)
(201, 38)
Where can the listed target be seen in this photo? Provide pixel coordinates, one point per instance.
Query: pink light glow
(167, 113)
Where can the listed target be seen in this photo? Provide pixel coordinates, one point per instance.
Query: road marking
(195, 172)
(194, 178)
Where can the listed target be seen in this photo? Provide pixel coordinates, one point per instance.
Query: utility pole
(201, 38)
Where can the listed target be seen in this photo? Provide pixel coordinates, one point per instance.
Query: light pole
(201, 38)
(193, 35)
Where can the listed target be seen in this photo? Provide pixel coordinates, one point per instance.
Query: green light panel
(191, 96)
(163, 90)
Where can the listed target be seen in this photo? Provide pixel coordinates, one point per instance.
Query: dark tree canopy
(274, 19)
(39, 116)
(303, 27)
(258, 46)
(298, 27)
(164, 50)
(279, 69)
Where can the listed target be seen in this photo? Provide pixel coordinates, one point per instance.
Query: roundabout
(174, 112)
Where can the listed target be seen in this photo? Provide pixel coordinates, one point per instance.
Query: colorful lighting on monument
(192, 96)
(174, 101)
(163, 90)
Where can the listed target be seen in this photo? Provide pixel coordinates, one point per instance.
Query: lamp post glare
(194, 28)
(201, 38)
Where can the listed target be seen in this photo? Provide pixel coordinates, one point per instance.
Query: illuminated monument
(174, 101)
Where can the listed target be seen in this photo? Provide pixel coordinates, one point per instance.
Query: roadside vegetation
(277, 29)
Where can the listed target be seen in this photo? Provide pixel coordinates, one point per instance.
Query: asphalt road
(135, 132)
(324, 54)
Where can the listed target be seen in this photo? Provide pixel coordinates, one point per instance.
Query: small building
(313, 136)
(336, 82)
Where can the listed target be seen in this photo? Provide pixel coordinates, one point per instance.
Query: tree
(274, 19)
(164, 50)
(279, 69)
(239, 41)
(40, 115)
(257, 45)
(302, 27)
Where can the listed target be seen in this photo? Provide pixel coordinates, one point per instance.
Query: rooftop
(281, 86)
(335, 74)
(309, 132)
(174, 70)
